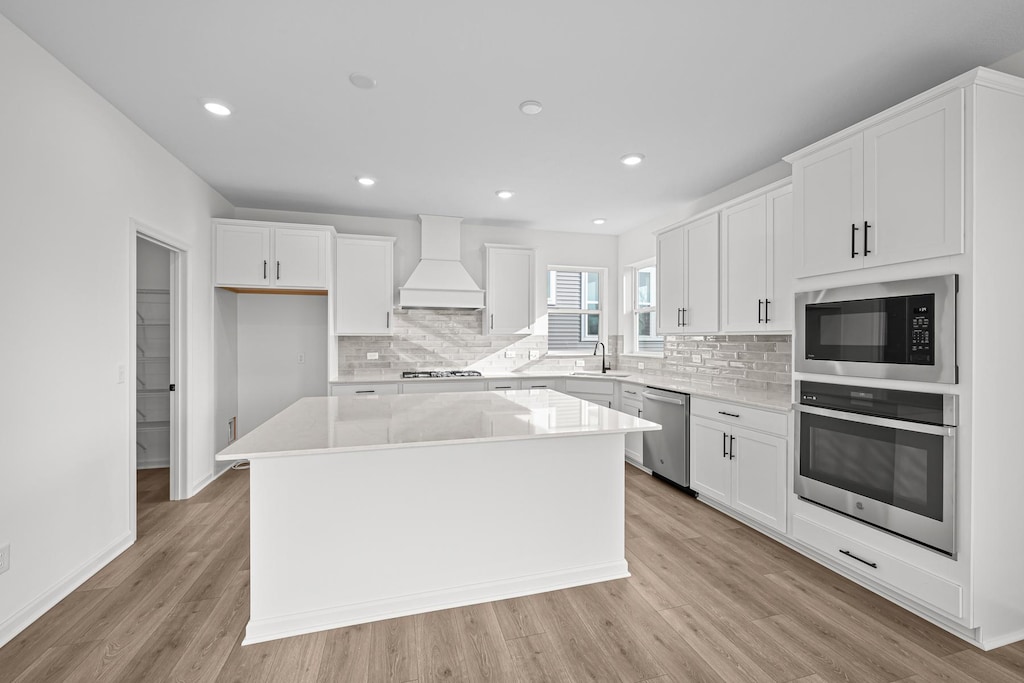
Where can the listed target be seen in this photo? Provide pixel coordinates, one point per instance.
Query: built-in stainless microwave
(893, 330)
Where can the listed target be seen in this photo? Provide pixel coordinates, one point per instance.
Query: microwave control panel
(922, 329)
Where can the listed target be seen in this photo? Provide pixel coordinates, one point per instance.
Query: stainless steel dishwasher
(667, 452)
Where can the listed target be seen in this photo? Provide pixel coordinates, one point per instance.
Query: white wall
(73, 171)
(273, 329)
(225, 381)
(555, 248)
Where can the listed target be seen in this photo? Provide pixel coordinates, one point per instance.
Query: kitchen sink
(598, 373)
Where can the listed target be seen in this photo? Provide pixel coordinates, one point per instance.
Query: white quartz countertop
(357, 423)
(772, 400)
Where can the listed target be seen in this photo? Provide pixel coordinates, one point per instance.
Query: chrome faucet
(604, 366)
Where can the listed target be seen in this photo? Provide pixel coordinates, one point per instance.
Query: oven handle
(902, 425)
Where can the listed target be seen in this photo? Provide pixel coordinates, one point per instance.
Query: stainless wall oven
(893, 330)
(883, 456)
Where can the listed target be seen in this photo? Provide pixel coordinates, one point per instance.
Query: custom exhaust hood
(439, 279)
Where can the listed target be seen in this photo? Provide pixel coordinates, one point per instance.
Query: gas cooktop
(416, 374)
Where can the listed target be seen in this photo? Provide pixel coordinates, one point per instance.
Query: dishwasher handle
(660, 399)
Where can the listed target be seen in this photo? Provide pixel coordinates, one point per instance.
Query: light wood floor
(708, 600)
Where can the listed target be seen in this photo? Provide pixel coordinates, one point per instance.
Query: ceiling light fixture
(366, 181)
(362, 81)
(598, 221)
(505, 194)
(632, 159)
(530, 107)
(216, 108)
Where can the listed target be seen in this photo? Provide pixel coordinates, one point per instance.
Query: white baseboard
(261, 630)
(24, 617)
(207, 480)
(1005, 639)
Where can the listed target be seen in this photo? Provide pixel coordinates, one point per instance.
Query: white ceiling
(708, 90)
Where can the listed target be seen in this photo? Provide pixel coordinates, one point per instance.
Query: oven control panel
(922, 329)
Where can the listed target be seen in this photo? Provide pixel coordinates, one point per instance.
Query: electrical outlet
(640, 365)
(580, 363)
(5, 558)
(510, 354)
(232, 427)
(695, 358)
(372, 355)
(302, 358)
(534, 354)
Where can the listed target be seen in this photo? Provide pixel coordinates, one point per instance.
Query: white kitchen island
(367, 508)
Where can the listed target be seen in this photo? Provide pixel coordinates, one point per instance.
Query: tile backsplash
(746, 361)
(426, 339)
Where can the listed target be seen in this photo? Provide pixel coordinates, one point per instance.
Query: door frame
(180, 315)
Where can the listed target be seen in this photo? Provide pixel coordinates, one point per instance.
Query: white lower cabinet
(363, 389)
(741, 468)
(863, 559)
(443, 386)
(631, 403)
(599, 391)
(503, 384)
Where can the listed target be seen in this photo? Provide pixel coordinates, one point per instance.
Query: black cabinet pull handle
(278, 270)
(684, 317)
(679, 317)
(365, 391)
(859, 559)
(853, 240)
(725, 444)
(387, 320)
(492, 321)
(732, 455)
(760, 302)
(766, 318)
(722, 412)
(866, 250)
(264, 269)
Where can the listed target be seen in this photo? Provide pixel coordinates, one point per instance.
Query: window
(645, 307)
(575, 300)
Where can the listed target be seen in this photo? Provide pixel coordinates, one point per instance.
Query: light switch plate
(695, 358)
(534, 354)
(372, 355)
(640, 365)
(580, 363)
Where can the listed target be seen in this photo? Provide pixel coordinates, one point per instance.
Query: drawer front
(503, 384)
(587, 386)
(631, 392)
(552, 384)
(922, 586)
(741, 416)
(363, 389)
(444, 386)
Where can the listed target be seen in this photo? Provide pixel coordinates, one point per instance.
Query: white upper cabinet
(300, 258)
(671, 257)
(913, 183)
(510, 295)
(745, 265)
(242, 255)
(364, 298)
(890, 193)
(258, 255)
(779, 296)
(687, 274)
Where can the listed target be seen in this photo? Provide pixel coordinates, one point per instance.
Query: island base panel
(345, 538)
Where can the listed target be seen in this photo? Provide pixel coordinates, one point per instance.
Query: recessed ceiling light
(632, 159)
(362, 81)
(505, 194)
(366, 181)
(216, 108)
(530, 107)
(598, 221)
